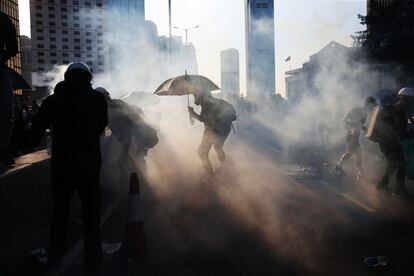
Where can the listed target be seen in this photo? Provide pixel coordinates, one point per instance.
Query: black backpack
(225, 114)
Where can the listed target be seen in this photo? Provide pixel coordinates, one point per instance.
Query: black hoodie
(77, 116)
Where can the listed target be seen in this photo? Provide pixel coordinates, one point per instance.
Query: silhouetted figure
(8, 49)
(387, 135)
(35, 107)
(127, 125)
(354, 122)
(217, 116)
(77, 116)
(20, 134)
(404, 109)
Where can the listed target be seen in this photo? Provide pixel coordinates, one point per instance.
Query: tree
(389, 36)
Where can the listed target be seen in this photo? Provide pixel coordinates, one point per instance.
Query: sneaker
(401, 192)
(39, 254)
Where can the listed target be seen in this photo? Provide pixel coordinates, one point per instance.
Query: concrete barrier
(25, 204)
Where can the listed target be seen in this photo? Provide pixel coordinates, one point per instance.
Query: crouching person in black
(77, 116)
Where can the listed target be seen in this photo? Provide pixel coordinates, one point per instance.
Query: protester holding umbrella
(216, 114)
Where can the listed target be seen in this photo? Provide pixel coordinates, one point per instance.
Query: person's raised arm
(194, 114)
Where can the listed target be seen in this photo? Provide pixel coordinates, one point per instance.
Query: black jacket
(77, 116)
(127, 122)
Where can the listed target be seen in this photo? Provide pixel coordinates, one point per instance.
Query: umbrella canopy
(141, 99)
(184, 85)
(18, 82)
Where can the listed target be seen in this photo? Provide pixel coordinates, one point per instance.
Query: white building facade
(63, 31)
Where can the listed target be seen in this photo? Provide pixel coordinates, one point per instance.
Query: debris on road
(379, 261)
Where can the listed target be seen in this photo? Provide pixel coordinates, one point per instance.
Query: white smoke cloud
(253, 194)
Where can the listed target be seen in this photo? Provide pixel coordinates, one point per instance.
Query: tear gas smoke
(254, 195)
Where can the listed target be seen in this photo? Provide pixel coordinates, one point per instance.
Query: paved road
(263, 218)
(260, 217)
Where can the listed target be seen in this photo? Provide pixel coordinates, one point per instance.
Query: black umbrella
(186, 85)
(18, 82)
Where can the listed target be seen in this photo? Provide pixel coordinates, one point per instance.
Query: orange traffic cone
(135, 241)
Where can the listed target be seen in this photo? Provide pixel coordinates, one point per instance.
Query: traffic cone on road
(135, 241)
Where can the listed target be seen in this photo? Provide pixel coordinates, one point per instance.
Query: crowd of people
(392, 127)
(24, 111)
(16, 111)
(79, 116)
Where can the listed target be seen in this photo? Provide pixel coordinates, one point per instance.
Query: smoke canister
(378, 261)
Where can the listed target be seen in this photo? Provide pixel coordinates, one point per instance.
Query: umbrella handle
(189, 114)
(191, 119)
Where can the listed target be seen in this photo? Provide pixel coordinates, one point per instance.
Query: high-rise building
(230, 73)
(126, 33)
(260, 48)
(125, 15)
(64, 31)
(26, 54)
(11, 8)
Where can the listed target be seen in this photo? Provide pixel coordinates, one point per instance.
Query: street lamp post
(169, 27)
(186, 31)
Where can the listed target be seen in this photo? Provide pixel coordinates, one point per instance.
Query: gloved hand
(192, 112)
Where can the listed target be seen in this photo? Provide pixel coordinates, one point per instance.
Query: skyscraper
(26, 54)
(125, 15)
(260, 48)
(230, 73)
(11, 8)
(63, 31)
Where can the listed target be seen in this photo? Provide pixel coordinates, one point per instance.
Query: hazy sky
(302, 28)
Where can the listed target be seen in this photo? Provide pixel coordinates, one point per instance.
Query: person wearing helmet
(217, 116)
(355, 122)
(77, 115)
(387, 137)
(126, 125)
(405, 103)
(403, 129)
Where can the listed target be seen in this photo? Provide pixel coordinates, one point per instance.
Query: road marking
(359, 203)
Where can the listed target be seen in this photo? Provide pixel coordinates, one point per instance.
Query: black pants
(67, 177)
(212, 138)
(395, 161)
